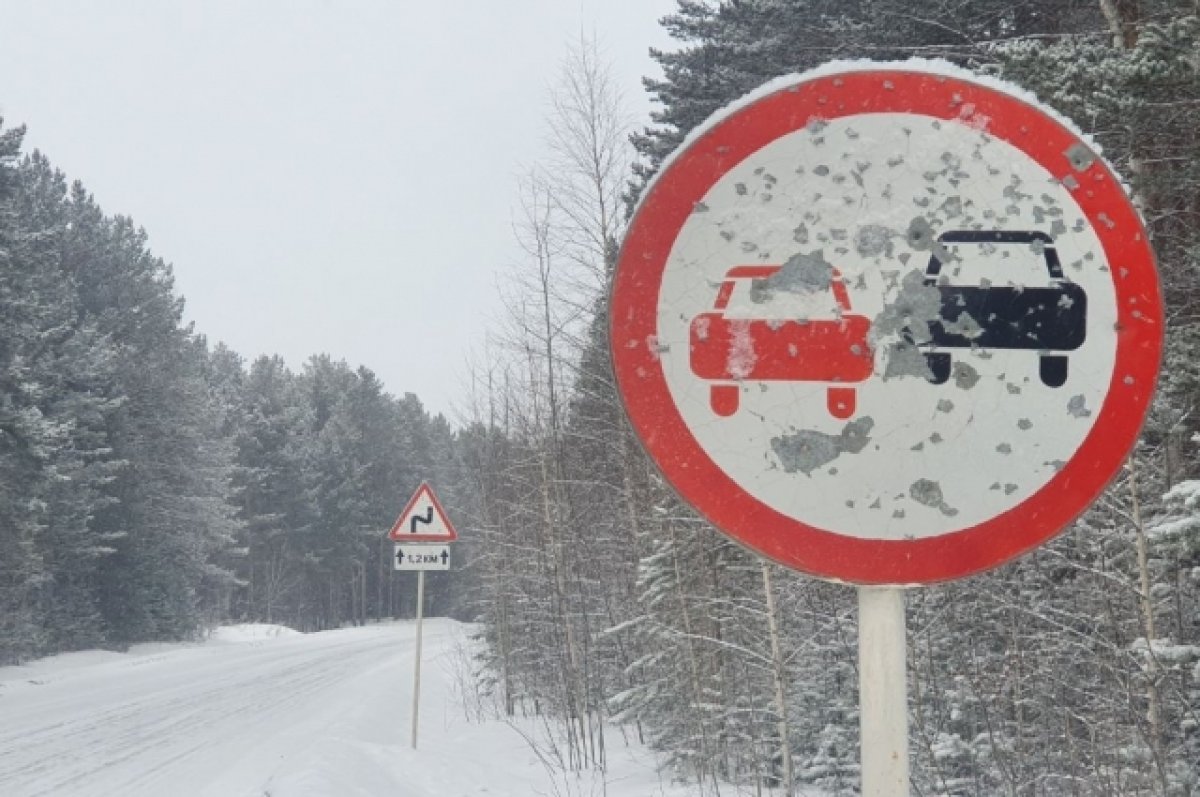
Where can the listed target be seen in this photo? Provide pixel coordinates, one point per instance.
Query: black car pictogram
(1051, 319)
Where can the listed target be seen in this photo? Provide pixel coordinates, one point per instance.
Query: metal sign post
(883, 691)
(886, 324)
(417, 663)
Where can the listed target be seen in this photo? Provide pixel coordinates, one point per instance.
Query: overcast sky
(324, 176)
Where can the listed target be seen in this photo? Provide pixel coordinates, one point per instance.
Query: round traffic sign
(887, 325)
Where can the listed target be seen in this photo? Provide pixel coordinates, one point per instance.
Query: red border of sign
(669, 441)
(437, 507)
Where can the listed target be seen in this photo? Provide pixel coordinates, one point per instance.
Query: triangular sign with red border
(423, 520)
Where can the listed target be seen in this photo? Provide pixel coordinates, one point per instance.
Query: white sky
(324, 176)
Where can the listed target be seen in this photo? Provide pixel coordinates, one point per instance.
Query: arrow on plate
(445, 555)
(399, 556)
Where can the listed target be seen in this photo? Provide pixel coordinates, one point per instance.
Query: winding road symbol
(427, 519)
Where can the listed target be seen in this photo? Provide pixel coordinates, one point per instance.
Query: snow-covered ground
(260, 710)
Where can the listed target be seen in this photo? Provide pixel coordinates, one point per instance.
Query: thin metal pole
(417, 663)
(883, 692)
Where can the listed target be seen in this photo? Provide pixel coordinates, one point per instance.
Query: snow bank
(250, 632)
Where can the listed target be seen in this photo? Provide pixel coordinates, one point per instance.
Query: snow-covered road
(311, 714)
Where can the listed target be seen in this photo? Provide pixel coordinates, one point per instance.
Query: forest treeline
(151, 484)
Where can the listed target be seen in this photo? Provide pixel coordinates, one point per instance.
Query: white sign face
(893, 212)
(421, 556)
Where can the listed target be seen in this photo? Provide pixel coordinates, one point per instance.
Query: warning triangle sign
(423, 520)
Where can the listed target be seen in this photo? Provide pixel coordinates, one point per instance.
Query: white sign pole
(883, 692)
(417, 664)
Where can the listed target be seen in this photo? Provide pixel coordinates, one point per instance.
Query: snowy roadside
(263, 710)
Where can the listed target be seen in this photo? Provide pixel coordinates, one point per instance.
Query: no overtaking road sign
(887, 326)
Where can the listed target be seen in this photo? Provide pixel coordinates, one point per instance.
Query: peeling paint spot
(1024, 424)
(929, 493)
(1010, 488)
(801, 273)
(905, 359)
(908, 316)
(965, 376)
(945, 405)
(1077, 406)
(699, 207)
(964, 325)
(807, 449)
(1004, 448)
(1080, 156)
(920, 236)
(935, 438)
(872, 240)
(740, 188)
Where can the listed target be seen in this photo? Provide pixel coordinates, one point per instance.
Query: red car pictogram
(728, 349)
